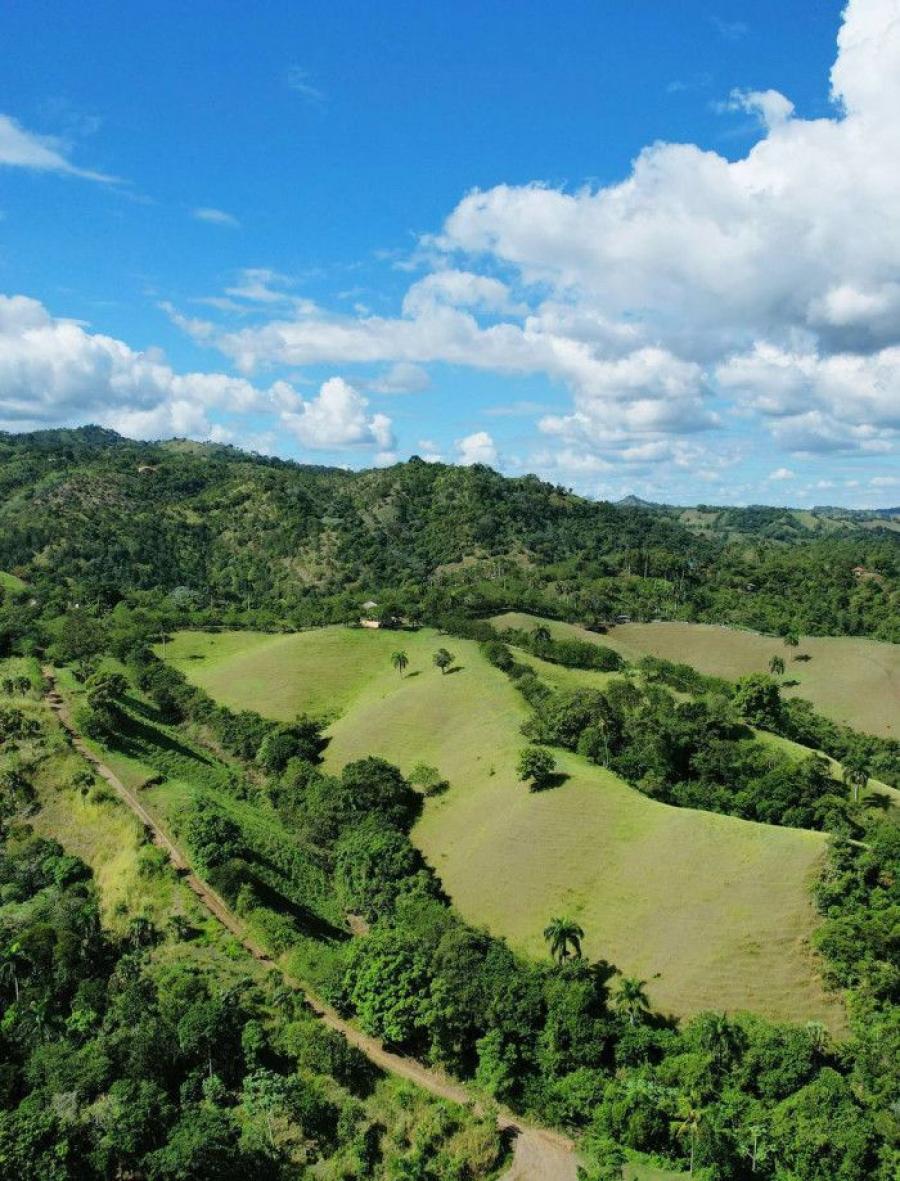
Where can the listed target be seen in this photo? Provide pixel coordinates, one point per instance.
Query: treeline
(87, 517)
(697, 754)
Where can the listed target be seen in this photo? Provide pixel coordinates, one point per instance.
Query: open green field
(712, 911)
(10, 582)
(850, 680)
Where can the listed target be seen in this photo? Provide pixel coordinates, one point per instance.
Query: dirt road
(539, 1154)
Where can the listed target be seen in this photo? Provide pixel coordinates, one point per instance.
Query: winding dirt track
(539, 1154)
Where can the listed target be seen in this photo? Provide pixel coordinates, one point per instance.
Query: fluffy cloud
(696, 288)
(820, 402)
(770, 106)
(457, 289)
(40, 153)
(477, 448)
(55, 372)
(337, 418)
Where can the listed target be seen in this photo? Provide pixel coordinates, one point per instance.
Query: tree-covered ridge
(86, 516)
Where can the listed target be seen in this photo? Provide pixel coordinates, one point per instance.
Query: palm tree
(631, 1000)
(776, 666)
(818, 1038)
(791, 640)
(443, 659)
(688, 1122)
(540, 635)
(564, 937)
(9, 965)
(399, 660)
(855, 773)
(722, 1039)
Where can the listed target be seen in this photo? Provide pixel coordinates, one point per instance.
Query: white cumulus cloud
(694, 290)
(337, 417)
(477, 448)
(55, 372)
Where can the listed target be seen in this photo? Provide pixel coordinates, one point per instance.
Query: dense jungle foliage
(89, 517)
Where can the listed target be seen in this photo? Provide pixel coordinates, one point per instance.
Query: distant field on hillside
(10, 582)
(713, 912)
(855, 681)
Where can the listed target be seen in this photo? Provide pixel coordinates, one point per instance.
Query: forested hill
(87, 516)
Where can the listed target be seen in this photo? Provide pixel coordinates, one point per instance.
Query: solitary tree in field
(536, 766)
(564, 938)
(631, 1000)
(791, 640)
(776, 666)
(399, 660)
(855, 774)
(540, 635)
(443, 659)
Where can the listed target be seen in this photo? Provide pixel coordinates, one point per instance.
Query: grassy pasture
(11, 581)
(713, 912)
(855, 681)
(319, 672)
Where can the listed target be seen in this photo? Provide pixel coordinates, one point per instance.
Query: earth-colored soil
(712, 911)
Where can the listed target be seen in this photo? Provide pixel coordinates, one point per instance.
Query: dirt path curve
(539, 1154)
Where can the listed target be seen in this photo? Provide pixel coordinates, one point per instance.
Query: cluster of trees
(755, 699)
(569, 652)
(117, 1062)
(698, 753)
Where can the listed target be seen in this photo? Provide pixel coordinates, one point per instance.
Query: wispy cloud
(730, 30)
(216, 217)
(298, 80)
(40, 153)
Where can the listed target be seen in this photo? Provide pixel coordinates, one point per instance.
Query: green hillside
(87, 516)
(712, 911)
(850, 680)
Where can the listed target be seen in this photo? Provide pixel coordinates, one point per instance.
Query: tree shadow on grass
(455, 668)
(877, 801)
(552, 781)
(415, 673)
(306, 920)
(136, 735)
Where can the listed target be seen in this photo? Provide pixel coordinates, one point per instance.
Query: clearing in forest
(712, 911)
(848, 679)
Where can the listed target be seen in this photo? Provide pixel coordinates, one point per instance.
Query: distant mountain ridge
(87, 516)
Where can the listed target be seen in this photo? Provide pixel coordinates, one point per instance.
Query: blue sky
(631, 245)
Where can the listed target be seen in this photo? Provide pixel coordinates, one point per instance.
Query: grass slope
(713, 912)
(855, 681)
